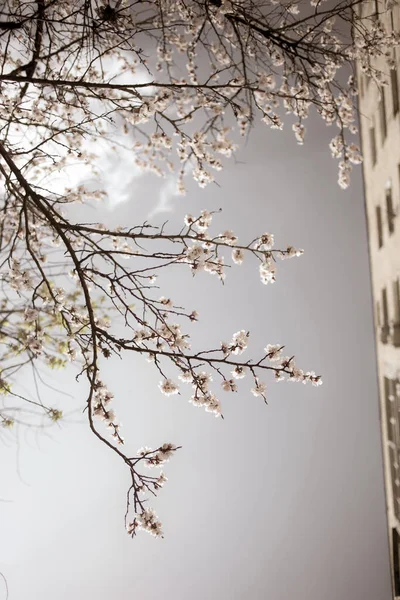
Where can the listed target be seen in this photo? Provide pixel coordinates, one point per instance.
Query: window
(395, 337)
(396, 562)
(396, 298)
(389, 210)
(382, 115)
(393, 438)
(379, 226)
(394, 84)
(372, 142)
(395, 477)
(393, 422)
(390, 411)
(385, 307)
(385, 317)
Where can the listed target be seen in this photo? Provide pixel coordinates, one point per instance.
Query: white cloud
(167, 193)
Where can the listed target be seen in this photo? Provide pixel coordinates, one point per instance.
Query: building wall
(380, 127)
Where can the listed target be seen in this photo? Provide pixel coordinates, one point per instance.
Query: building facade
(379, 113)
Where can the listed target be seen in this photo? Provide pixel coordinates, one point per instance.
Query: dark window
(394, 476)
(385, 309)
(396, 298)
(379, 226)
(389, 210)
(390, 411)
(396, 562)
(394, 84)
(372, 142)
(382, 115)
(385, 318)
(395, 337)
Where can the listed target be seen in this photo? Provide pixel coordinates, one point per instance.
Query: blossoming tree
(172, 75)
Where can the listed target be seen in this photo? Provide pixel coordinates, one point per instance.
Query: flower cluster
(168, 387)
(156, 458)
(145, 518)
(102, 399)
(205, 252)
(148, 521)
(237, 345)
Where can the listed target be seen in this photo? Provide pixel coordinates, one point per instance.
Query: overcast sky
(276, 502)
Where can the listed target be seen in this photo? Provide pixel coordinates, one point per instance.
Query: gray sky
(277, 502)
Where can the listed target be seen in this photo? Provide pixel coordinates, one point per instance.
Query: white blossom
(267, 271)
(265, 242)
(239, 342)
(259, 389)
(237, 256)
(148, 521)
(239, 372)
(186, 376)
(228, 237)
(228, 385)
(274, 352)
(168, 387)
